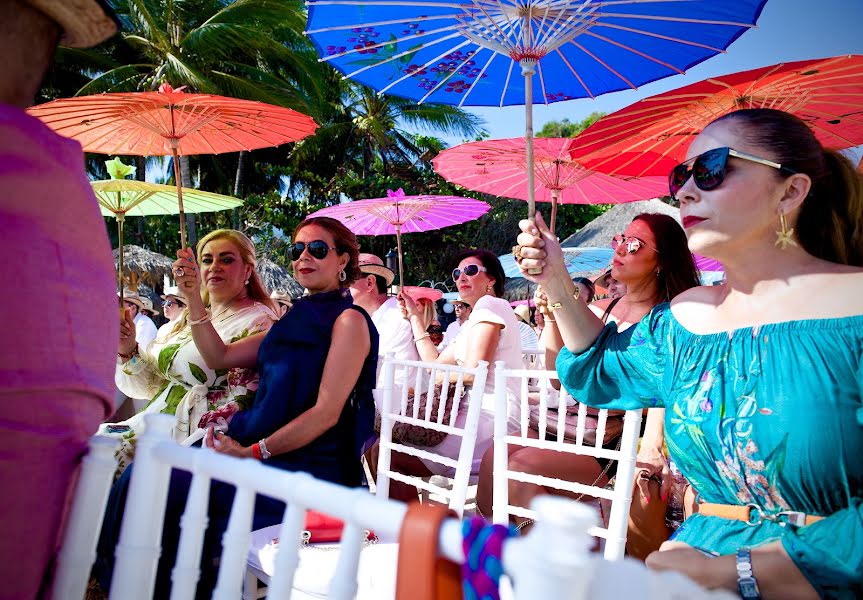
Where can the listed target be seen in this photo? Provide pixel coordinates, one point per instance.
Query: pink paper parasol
(416, 292)
(397, 214)
(499, 167)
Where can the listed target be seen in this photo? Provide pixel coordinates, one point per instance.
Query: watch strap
(747, 586)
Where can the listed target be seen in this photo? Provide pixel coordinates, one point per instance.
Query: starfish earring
(783, 236)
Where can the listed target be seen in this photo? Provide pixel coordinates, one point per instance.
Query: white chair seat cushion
(376, 576)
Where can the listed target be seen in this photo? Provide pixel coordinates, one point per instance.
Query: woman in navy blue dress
(313, 411)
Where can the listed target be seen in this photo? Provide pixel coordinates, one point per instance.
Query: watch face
(748, 588)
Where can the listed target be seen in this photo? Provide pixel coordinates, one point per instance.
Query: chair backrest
(84, 522)
(437, 417)
(621, 493)
(553, 559)
(533, 359)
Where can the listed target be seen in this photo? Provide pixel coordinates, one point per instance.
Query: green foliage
(365, 144)
(561, 129)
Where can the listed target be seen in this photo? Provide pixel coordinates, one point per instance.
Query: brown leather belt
(753, 515)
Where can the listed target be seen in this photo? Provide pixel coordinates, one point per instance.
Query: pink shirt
(58, 312)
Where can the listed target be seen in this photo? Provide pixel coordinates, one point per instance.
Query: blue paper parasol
(577, 260)
(485, 52)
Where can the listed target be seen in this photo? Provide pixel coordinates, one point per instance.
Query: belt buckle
(782, 518)
(759, 515)
(798, 519)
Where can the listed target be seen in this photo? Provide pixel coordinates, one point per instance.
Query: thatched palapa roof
(140, 264)
(277, 278)
(615, 220)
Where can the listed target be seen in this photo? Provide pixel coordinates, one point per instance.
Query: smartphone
(118, 428)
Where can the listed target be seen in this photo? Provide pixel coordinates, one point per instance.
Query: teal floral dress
(172, 373)
(770, 416)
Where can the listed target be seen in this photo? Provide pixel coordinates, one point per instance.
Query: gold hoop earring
(783, 236)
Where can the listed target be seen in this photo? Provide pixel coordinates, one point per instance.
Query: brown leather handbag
(422, 573)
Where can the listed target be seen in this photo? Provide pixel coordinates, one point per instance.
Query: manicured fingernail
(664, 496)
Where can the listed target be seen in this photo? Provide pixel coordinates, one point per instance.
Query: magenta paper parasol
(397, 214)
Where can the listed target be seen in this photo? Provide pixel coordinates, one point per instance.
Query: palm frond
(128, 78)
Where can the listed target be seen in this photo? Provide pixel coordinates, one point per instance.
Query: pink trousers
(59, 325)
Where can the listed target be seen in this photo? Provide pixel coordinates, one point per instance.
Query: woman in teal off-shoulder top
(761, 379)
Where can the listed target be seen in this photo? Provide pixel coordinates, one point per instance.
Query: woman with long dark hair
(490, 333)
(763, 384)
(652, 259)
(313, 411)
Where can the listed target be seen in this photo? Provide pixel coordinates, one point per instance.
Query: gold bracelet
(201, 321)
(555, 305)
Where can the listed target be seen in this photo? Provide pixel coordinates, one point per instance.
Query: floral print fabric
(770, 416)
(172, 372)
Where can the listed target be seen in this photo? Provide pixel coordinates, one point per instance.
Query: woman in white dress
(491, 333)
(171, 371)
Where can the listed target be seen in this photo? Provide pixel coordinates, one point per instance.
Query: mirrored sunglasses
(632, 244)
(317, 248)
(469, 270)
(708, 169)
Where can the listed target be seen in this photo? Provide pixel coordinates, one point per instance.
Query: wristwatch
(747, 586)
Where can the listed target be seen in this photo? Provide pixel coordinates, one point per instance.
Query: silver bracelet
(265, 454)
(422, 337)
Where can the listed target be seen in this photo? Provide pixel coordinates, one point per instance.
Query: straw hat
(144, 304)
(602, 280)
(85, 23)
(371, 264)
(459, 300)
(522, 311)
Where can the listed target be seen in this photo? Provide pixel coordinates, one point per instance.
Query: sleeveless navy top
(291, 363)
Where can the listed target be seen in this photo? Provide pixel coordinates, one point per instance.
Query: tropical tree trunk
(191, 229)
(239, 180)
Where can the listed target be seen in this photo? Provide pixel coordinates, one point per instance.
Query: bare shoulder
(697, 304)
(350, 322)
(599, 307)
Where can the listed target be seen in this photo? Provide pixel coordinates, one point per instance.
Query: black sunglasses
(708, 169)
(470, 270)
(170, 303)
(317, 248)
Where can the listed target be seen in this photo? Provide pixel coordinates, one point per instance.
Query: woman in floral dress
(171, 370)
(762, 381)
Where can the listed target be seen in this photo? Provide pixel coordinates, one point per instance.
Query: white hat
(85, 23)
(371, 264)
(173, 290)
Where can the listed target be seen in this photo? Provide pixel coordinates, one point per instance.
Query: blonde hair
(255, 287)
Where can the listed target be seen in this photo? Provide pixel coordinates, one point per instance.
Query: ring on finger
(516, 251)
(179, 271)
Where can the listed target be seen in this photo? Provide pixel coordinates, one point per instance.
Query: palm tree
(251, 49)
(363, 135)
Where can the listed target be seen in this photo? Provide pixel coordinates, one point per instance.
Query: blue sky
(788, 30)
